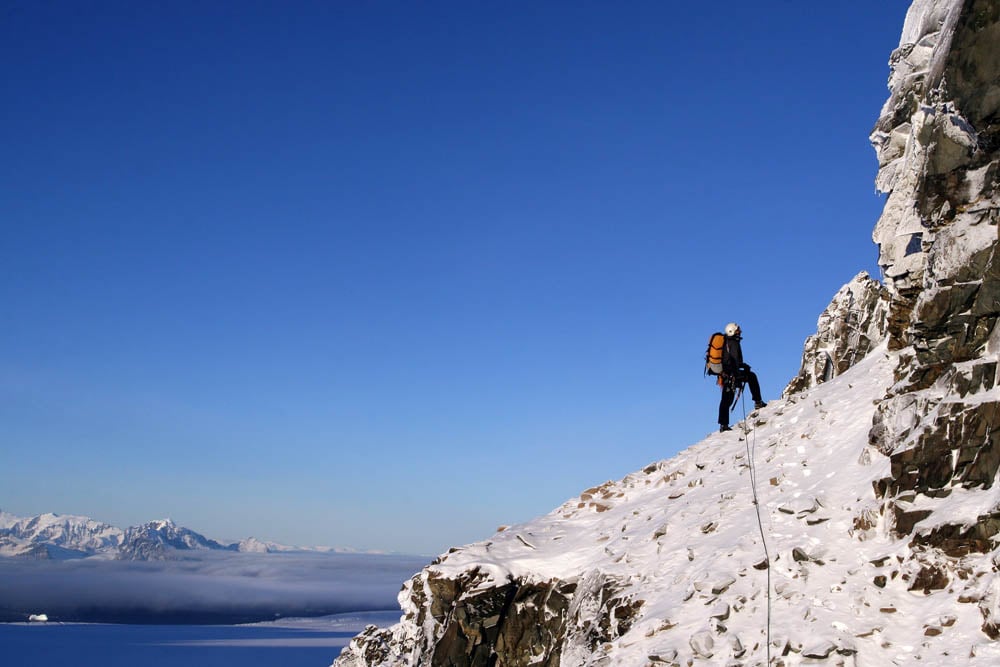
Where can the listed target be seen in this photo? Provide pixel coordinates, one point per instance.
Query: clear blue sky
(390, 274)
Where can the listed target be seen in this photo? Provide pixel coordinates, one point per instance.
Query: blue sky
(391, 274)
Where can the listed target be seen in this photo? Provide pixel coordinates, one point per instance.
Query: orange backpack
(713, 355)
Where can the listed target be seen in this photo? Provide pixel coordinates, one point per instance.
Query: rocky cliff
(937, 140)
(853, 522)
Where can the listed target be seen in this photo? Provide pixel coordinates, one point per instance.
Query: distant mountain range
(63, 537)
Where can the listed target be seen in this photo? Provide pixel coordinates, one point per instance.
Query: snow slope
(682, 538)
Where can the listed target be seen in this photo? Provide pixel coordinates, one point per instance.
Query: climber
(735, 374)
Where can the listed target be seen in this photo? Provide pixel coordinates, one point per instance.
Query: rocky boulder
(852, 325)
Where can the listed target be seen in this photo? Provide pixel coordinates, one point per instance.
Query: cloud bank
(212, 587)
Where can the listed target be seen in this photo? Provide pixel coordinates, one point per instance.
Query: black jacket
(732, 356)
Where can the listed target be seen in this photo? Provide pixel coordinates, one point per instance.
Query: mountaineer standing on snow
(734, 374)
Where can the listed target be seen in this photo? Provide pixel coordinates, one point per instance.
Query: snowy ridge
(64, 536)
(254, 545)
(56, 536)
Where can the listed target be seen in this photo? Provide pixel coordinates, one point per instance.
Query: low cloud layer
(211, 588)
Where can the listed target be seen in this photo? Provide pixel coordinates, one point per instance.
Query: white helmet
(732, 329)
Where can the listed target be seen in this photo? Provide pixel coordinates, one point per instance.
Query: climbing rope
(751, 452)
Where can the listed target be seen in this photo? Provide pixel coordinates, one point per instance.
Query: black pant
(729, 386)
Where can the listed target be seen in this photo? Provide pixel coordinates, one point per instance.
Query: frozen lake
(290, 643)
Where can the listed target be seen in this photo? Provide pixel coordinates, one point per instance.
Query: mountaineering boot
(757, 405)
(724, 427)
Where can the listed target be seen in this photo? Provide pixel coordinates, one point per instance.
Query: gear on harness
(736, 386)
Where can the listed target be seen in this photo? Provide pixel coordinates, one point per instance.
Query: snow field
(683, 534)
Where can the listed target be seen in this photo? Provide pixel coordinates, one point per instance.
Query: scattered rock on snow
(702, 643)
(819, 650)
(722, 585)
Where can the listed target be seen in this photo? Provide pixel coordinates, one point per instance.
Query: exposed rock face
(938, 142)
(852, 325)
(471, 619)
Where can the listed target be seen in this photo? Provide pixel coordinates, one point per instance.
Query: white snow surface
(684, 534)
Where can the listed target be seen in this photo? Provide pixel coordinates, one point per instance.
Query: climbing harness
(751, 451)
(737, 389)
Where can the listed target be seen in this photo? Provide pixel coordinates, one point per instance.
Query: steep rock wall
(938, 142)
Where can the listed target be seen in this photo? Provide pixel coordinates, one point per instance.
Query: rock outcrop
(878, 498)
(474, 617)
(852, 326)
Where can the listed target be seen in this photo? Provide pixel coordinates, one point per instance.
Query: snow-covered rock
(253, 545)
(56, 536)
(851, 326)
(161, 539)
(61, 537)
